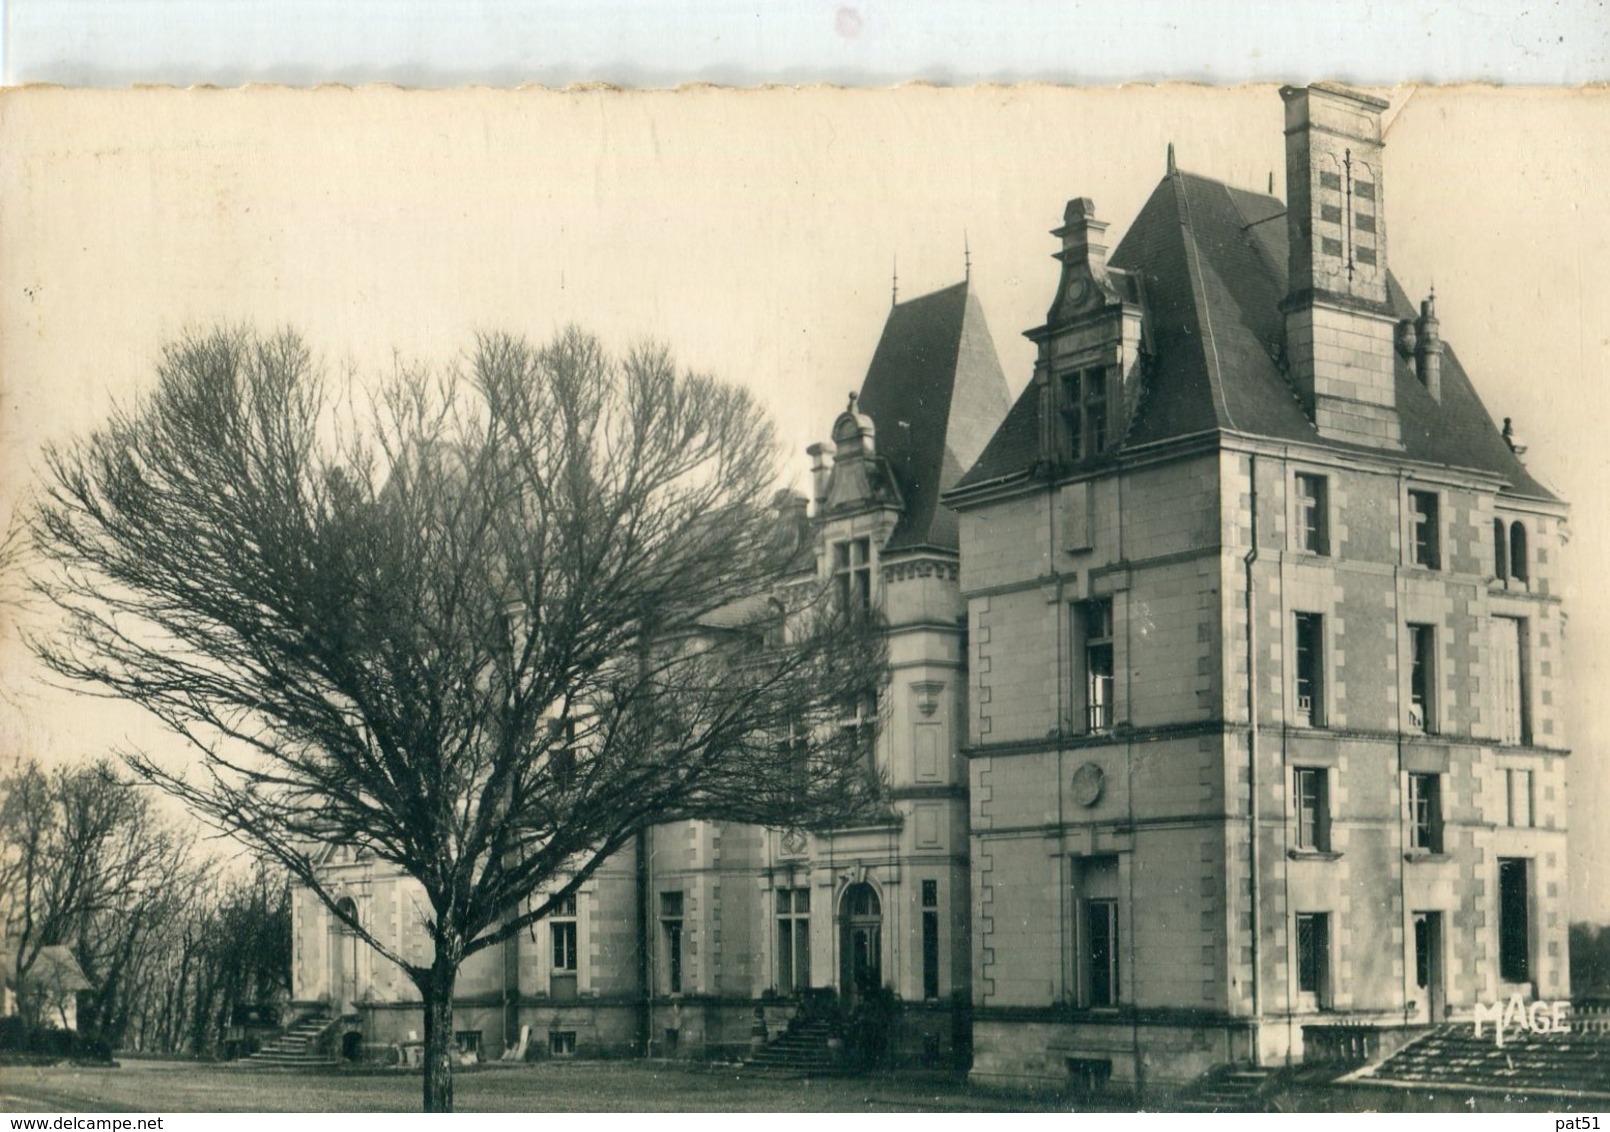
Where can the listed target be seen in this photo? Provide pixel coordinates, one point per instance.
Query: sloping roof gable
(1213, 262)
(936, 393)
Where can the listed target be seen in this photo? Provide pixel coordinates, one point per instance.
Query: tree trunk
(437, 991)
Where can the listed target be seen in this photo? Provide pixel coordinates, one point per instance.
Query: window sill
(1313, 855)
(1431, 855)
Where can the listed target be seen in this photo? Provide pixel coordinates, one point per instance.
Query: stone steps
(1227, 1090)
(801, 1049)
(296, 1048)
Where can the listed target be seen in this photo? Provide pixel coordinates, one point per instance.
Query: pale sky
(754, 233)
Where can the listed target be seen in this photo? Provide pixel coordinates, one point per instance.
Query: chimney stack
(1428, 347)
(1083, 238)
(1340, 332)
(821, 470)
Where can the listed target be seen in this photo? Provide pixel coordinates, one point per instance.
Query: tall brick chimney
(1339, 329)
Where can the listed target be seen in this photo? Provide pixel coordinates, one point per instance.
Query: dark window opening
(1101, 926)
(1500, 550)
(930, 939)
(793, 940)
(1310, 669)
(562, 1043)
(1096, 627)
(1426, 529)
(1313, 957)
(852, 574)
(1084, 412)
(1423, 678)
(1514, 922)
(1517, 551)
(671, 933)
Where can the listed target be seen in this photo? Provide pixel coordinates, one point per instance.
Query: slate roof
(1213, 262)
(936, 393)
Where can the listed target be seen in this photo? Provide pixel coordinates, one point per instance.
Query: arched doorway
(860, 942)
(343, 959)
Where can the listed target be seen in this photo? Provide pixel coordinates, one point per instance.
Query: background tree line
(171, 938)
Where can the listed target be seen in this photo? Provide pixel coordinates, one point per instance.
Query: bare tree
(83, 861)
(512, 616)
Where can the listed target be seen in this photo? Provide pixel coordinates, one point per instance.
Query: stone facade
(1222, 699)
(1264, 728)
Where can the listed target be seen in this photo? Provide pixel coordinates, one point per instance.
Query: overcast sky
(755, 233)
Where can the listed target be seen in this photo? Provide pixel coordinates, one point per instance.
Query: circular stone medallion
(1088, 783)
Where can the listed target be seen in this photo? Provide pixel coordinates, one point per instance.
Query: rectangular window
(793, 940)
(1518, 796)
(1512, 721)
(1095, 628)
(1313, 957)
(1311, 801)
(1423, 678)
(930, 939)
(1084, 411)
(1514, 921)
(1313, 527)
(1425, 812)
(671, 935)
(1310, 653)
(1425, 530)
(1101, 919)
(468, 1042)
(563, 931)
(858, 730)
(852, 574)
(561, 1043)
(1095, 906)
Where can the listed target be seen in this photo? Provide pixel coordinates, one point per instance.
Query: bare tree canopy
(486, 629)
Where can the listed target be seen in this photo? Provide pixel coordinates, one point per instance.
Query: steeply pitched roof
(936, 393)
(1213, 261)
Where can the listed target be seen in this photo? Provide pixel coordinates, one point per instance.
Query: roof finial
(1171, 168)
(967, 258)
(854, 396)
(894, 283)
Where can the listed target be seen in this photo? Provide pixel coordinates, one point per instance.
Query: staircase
(1227, 1090)
(1570, 1064)
(296, 1048)
(802, 1048)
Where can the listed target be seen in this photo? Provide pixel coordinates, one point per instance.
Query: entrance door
(1428, 967)
(861, 947)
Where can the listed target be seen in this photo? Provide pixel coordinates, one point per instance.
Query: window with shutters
(1311, 806)
(1313, 503)
(1507, 658)
(1425, 530)
(1425, 812)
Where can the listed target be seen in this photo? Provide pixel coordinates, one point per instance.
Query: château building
(1222, 715)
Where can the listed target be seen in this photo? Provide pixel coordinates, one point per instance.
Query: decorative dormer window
(1084, 409)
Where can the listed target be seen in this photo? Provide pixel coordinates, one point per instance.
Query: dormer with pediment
(1091, 350)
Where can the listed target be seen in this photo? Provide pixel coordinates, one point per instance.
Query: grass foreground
(570, 1086)
(633, 1086)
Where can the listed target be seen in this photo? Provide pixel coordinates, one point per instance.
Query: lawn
(577, 1086)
